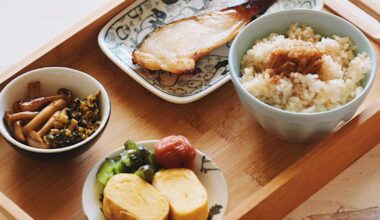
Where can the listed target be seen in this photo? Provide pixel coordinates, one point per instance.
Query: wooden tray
(10, 211)
(267, 178)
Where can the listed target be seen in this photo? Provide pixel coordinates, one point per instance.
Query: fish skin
(218, 5)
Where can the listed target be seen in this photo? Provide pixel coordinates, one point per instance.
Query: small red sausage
(175, 152)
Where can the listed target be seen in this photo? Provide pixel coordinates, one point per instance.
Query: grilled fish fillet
(177, 46)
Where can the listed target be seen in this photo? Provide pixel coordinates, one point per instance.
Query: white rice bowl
(338, 82)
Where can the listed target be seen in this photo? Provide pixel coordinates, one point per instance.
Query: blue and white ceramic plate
(208, 173)
(125, 31)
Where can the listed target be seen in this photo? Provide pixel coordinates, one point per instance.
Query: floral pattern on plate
(123, 33)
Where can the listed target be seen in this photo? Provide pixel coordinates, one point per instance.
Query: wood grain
(217, 125)
(355, 15)
(372, 7)
(10, 211)
(315, 169)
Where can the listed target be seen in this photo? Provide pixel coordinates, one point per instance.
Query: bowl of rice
(301, 73)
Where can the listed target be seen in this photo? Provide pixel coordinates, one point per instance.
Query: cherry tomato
(175, 152)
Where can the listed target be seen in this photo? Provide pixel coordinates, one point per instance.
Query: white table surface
(352, 195)
(26, 25)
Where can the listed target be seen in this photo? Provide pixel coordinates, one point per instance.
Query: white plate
(124, 32)
(206, 170)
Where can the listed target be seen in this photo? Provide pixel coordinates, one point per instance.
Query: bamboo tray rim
(251, 205)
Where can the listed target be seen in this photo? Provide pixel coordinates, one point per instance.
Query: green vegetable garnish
(144, 152)
(105, 171)
(151, 159)
(139, 160)
(136, 158)
(132, 159)
(130, 145)
(126, 159)
(146, 172)
(118, 167)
